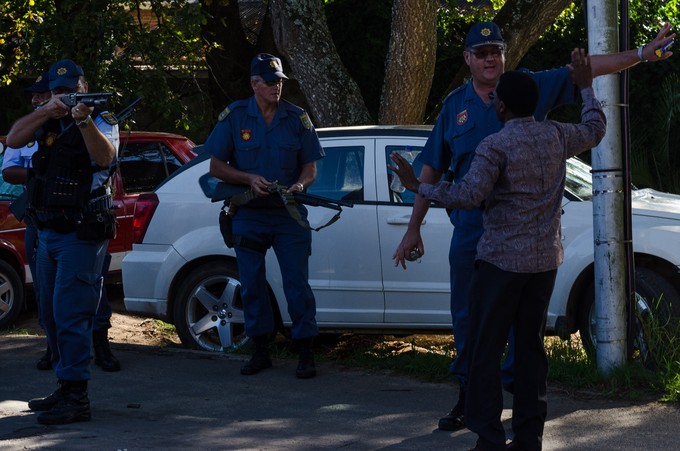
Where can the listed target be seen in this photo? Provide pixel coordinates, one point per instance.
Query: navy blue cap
(267, 66)
(64, 74)
(41, 84)
(484, 33)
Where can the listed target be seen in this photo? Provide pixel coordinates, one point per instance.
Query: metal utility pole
(608, 198)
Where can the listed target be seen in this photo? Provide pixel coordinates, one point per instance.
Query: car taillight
(144, 208)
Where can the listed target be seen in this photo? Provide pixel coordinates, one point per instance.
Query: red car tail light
(144, 208)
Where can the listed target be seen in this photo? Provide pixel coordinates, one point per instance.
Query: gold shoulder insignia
(223, 114)
(305, 121)
(109, 118)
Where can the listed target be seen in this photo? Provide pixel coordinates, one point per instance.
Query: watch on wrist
(84, 122)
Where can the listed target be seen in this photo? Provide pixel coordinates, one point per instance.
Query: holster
(98, 225)
(226, 227)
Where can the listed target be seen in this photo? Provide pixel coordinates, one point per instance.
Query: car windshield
(579, 179)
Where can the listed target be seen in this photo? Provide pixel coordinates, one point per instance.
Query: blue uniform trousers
(498, 300)
(70, 286)
(291, 242)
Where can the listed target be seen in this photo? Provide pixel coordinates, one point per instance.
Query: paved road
(181, 399)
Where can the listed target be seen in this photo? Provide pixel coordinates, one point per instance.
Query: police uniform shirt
(110, 130)
(19, 157)
(466, 119)
(276, 152)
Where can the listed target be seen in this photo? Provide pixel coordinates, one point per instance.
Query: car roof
(375, 130)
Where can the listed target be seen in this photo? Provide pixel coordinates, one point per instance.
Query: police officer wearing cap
(256, 142)
(467, 117)
(16, 167)
(70, 204)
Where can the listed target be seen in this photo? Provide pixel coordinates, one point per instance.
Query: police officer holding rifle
(70, 203)
(256, 142)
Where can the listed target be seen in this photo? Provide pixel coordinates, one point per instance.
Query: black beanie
(519, 92)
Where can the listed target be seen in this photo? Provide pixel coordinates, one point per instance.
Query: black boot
(260, 359)
(72, 406)
(455, 419)
(45, 362)
(306, 368)
(102, 351)
(48, 402)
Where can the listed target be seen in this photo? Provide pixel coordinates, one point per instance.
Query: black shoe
(72, 406)
(48, 402)
(260, 359)
(257, 363)
(455, 419)
(45, 362)
(103, 357)
(306, 368)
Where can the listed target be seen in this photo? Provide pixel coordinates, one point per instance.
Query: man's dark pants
(498, 300)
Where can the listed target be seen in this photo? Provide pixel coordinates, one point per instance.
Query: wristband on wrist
(639, 53)
(84, 122)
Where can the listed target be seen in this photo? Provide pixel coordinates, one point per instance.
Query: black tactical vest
(63, 169)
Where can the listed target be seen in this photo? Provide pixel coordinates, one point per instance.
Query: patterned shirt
(518, 175)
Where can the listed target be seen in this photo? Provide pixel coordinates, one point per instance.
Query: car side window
(400, 195)
(143, 166)
(340, 174)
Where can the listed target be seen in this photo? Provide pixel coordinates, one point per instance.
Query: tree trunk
(410, 62)
(521, 22)
(302, 36)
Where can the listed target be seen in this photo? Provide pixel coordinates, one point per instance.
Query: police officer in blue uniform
(16, 167)
(70, 205)
(256, 142)
(467, 117)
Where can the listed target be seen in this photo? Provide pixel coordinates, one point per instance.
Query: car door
(345, 266)
(418, 295)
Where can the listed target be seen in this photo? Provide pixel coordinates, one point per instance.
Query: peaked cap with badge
(41, 84)
(267, 66)
(484, 33)
(65, 74)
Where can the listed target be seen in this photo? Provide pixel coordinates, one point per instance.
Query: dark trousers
(498, 300)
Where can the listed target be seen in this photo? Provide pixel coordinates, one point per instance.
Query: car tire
(208, 311)
(11, 295)
(653, 292)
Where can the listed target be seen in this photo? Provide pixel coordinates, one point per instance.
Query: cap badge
(486, 32)
(462, 117)
(61, 71)
(274, 65)
(246, 134)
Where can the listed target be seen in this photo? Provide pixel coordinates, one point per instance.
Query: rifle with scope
(88, 98)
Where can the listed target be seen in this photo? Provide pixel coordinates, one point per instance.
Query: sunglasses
(484, 54)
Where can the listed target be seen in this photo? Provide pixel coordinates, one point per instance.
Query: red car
(145, 159)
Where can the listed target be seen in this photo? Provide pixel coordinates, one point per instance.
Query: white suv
(181, 271)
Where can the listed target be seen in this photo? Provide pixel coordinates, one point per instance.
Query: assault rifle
(90, 99)
(235, 196)
(128, 111)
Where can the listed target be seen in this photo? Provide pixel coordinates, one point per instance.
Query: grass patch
(428, 357)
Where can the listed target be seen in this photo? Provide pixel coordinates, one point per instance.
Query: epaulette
(225, 112)
(299, 112)
(109, 118)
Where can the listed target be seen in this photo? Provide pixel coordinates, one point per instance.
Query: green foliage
(119, 52)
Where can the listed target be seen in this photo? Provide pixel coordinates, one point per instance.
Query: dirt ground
(125, 328)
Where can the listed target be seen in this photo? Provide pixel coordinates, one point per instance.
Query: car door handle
(402, 220)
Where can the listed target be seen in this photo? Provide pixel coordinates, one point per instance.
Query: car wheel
(653, 294)
(11, 295)
(208, 309)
